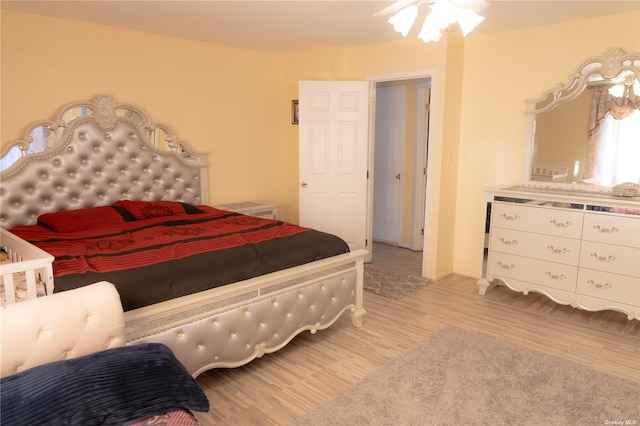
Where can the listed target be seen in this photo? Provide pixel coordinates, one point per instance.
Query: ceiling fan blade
(475, 5)
(394, 7)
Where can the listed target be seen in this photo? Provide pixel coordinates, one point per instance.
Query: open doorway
(400, 157)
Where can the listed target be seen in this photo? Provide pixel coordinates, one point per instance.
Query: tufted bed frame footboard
(230, 326)
(97, 152)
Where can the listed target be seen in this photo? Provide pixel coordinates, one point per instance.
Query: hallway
(397, 258)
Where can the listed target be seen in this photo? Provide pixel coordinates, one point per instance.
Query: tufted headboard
(95, 153)
(60, 326)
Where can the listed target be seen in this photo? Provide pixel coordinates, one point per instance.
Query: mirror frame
(603, 68)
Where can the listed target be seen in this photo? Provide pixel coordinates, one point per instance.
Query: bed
(110, 161)
(63, 360)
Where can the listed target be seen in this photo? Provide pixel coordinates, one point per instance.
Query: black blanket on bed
(158, 259)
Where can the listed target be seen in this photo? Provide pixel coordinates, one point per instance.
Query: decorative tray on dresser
(577, 248)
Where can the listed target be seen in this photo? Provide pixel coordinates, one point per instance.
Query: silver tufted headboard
(95, 153)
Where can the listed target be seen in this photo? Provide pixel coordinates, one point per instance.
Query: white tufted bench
(60, 326)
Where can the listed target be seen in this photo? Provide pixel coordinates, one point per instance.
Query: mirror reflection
(589, 133)
(43, 138)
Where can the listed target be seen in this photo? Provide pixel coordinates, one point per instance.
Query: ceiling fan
(476, 5)
(442, 15)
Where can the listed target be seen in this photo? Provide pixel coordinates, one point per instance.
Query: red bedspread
(161, 258)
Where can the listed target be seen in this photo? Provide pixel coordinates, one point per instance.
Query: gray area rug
(457, 377)
(391, 284)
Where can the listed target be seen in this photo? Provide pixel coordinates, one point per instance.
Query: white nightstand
(264, 209)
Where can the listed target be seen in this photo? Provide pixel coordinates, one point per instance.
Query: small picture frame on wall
(295, 114)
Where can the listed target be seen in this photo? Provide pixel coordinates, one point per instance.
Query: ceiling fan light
(445, 12)
(430, 30)
(403, 20)
(468, 20)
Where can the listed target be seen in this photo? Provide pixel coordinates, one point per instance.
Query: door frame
(421, 152)
(429, 241)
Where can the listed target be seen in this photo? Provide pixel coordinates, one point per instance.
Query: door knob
(398, 176)
(303, 184)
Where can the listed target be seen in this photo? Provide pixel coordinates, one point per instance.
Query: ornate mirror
(585, 135)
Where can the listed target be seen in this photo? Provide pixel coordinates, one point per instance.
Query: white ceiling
(286, 26)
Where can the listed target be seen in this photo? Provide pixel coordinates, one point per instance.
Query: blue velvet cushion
(112, 387)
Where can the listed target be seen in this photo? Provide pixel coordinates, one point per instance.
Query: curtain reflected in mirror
(613, 152)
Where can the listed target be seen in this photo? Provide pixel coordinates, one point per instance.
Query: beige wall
(235, 103)
(228, 102)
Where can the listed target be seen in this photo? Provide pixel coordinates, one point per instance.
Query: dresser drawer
(608, 286)
(624, 231)
(549, 274)
(541, 220)
(538, 246)
(610, 258)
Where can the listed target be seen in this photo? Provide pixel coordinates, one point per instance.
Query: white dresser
(576, 248)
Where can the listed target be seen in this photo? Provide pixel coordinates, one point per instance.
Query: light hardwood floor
(280, 387)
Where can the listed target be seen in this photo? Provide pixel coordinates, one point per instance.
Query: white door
(389, 164)
(333, 127)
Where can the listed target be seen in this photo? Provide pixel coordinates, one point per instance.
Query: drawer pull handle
(508, 217)
(606, 230)
(603, 258)
(561, 224)
(556, 277)
(599, 285)
(558, 251)
(507, 267)
(507, 242)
